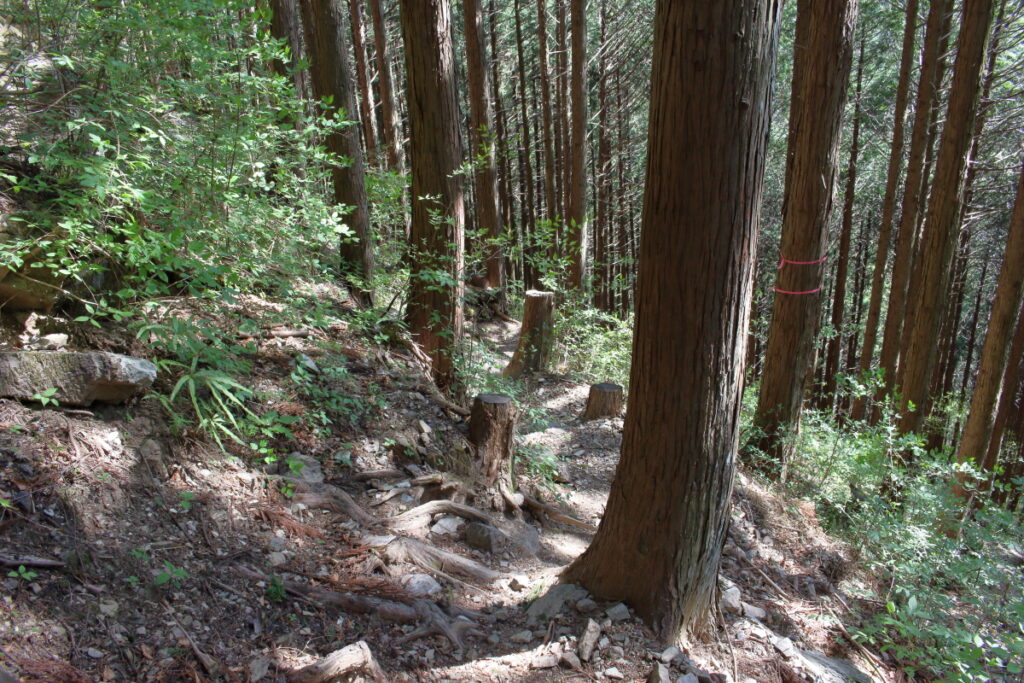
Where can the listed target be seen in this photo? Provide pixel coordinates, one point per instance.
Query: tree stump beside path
(492, 425)
(604, 400)
(536, 337)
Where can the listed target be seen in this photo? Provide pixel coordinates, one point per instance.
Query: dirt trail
(174, 559)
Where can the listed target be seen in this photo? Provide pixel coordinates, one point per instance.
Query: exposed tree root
(417, 517)
(354, 658)
(327, 497)
(431, 619)
(540, 510)
(402, 549)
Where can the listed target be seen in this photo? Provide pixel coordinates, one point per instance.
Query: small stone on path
(731, 600)
(588, 640)
(660, 674)
(523, 637)
(613, 673)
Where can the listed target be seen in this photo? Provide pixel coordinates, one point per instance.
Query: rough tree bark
(332, 77)
(604, 400)
(536, 336)
(492, 425)
(366, 105)
(576, 214)
(434, 310)
(392, 131)
(545, 103)
(888, 204)
(821, 71)
(482, 146)
(669, 503)
(989, 385)
(939, 238)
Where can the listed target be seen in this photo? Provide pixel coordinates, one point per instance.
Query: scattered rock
(753, 612)
(660, 674)
(586, 606)
(518, 583)
(447, 526)
(79, 378)
(551, 603)
(613, 673)
(618, 613)
(588, 640)
(50, 342)
(670, 654)
(421, 584)
(424, 427)
(304, 361)
(522, 538)
(569, 659)
(94, 653)
(688, 678)
(276, 559)
(731, 600)
(544, 662)
(832, 669)
(522, 637)
(482, 537)
(302, 467)
(784, 645)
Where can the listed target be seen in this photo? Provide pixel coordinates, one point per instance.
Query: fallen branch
(354, 658)
(29, 561)
(278, 333)
(554, 513)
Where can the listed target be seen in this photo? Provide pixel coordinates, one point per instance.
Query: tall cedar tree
(821, 70)
(988, 386)
(366, 106)
(436, 288)
(888, 203)
(940, 229)
(392, 131)
(576, 214)
(488, 215)
(668, 508)
(332, 78)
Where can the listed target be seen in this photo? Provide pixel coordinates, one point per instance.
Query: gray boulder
(79, 378)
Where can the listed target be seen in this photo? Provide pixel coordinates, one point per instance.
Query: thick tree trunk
(824, 46)
(842, 264)
(913, 197)
(576, 214)
(488, 215)
(285, 25)
(604, 400)
(392, 131)
(939, 236)
(332, 78)
(366, 106)
(888, 204)
(1007, 397)
(668, 509)
(536, 335)
(993, 367)
(492, 425)
(435, 284)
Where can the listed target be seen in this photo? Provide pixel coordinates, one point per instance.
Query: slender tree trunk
(488, 215)
(562, 38)
(939, 236)
(913, 198)
(888, 203)
(435, 305)
(972, 336)
(504, 171)
(526, 182)
(389, 112)
(285, 25)
(545, 103)
(332, 78)
(1007, 397)
(366, 105)
(987, 388)
(576, 215)
(839, 297)
(602, 227)
(821, 71)
(682, 419)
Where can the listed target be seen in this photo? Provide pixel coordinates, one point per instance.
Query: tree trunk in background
(576, 215)
(481, 137)
(529, 215)
(965, 379)
(940, 230)
(285, 25)
(821, 71)
(392, 131)
(839, 296)
(602, 222)
(958, 311)
(545, 103)
(324, 26)
(669, 504)
(564, 155)
(913, 198)
(435, 307)
(888, 203)
(987, 388)
(504, 171)
(366, 106)
(1007, 397)
(622, 208)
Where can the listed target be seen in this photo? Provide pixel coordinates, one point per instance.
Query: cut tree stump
(605, 400)
(492, 423)
(536, 337)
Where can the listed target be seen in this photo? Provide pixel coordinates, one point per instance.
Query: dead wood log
(492, 426)
(604, 400)
(536, 337)
(28, 561)
(413, 519)
(351, 659)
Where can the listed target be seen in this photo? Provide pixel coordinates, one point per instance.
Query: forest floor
(155, 556)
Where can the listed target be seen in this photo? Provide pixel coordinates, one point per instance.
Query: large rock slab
(80, 378)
